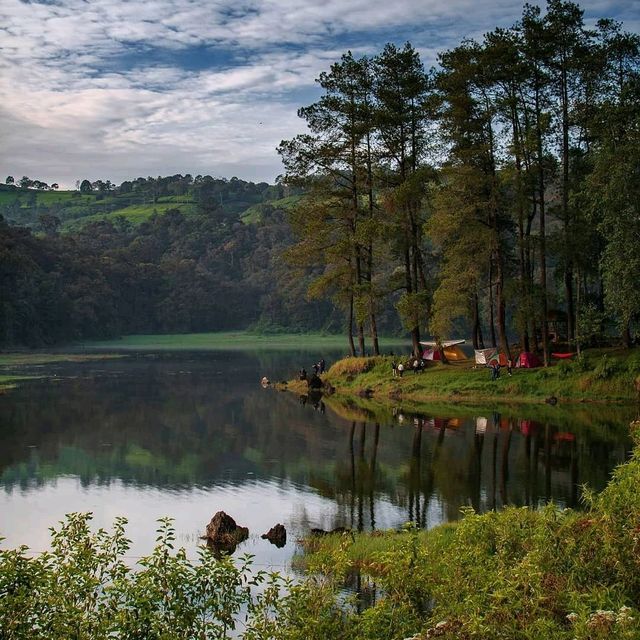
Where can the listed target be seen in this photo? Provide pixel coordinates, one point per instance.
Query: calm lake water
(186, 435)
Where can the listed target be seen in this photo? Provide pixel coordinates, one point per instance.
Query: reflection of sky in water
(186, 436)
(28, 513)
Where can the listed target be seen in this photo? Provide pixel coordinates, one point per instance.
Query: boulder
(223, 534)
(277, 535)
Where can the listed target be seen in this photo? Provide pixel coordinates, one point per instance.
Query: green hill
(137, 201)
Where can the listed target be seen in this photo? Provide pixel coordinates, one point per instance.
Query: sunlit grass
(606, 376)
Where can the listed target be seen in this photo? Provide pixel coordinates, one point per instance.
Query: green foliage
(581, 363)
(519, 573)
(605, 369)
(85, 589)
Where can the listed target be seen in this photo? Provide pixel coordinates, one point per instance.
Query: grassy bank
(230, 340)
(598, 376)
(8, 382)
(553, 574)
(12, 365)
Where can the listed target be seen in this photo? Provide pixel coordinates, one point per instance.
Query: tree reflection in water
(205, 422)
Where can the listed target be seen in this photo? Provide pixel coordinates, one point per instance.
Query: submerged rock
(223, 534)
(276, 535)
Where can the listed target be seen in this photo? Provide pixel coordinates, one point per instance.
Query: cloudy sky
(116, 89)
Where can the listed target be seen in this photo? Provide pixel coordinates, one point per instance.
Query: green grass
(8, 382)
(254, 214)
(9, 362)
(603, 376)
(135, 214)
(26, 358)
(45, 197)
(232, 340)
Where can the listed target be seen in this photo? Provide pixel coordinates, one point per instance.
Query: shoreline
(600, 379)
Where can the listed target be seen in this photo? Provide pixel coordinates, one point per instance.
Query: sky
(116, 89)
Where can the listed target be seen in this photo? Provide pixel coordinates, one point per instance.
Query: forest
(198, 270)
(496, 196)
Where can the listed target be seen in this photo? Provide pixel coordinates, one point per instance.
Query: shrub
(633, 363)
(605, 369)
(581, 363)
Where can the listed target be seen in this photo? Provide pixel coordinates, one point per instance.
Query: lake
(187, 435)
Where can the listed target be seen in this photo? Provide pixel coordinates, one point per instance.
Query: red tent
(528, 360)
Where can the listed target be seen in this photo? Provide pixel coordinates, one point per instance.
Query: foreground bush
(83, 589)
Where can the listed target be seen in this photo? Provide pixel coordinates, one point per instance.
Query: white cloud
(71, 108)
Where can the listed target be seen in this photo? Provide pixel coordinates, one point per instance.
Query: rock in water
(224, 534)
(276, 535)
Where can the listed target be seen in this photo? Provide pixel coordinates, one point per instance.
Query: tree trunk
(502, 321)
(374, 335)
(492, 326)
(352, 346)
(476, 321)
(543, 241)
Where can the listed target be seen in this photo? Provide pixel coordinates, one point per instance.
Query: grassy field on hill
(254, 214)
(75, 209)
(134, 214)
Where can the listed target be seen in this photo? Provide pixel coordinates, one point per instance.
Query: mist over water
(187, 435)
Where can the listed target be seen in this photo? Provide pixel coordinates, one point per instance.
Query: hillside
(134, 202)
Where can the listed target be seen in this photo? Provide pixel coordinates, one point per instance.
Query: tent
(444, 343)
(453, 354)
(451, 349)
(528, 360)
(487, 356)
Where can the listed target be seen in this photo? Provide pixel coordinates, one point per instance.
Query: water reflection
(201, 431)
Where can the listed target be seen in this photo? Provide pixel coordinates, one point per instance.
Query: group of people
(398, 368)
(318, 369)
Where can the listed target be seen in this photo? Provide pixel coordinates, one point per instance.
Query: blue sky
(116, 89)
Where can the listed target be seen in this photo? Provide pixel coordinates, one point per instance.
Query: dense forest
(497, 195)
(201, 270)
(501, 187)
